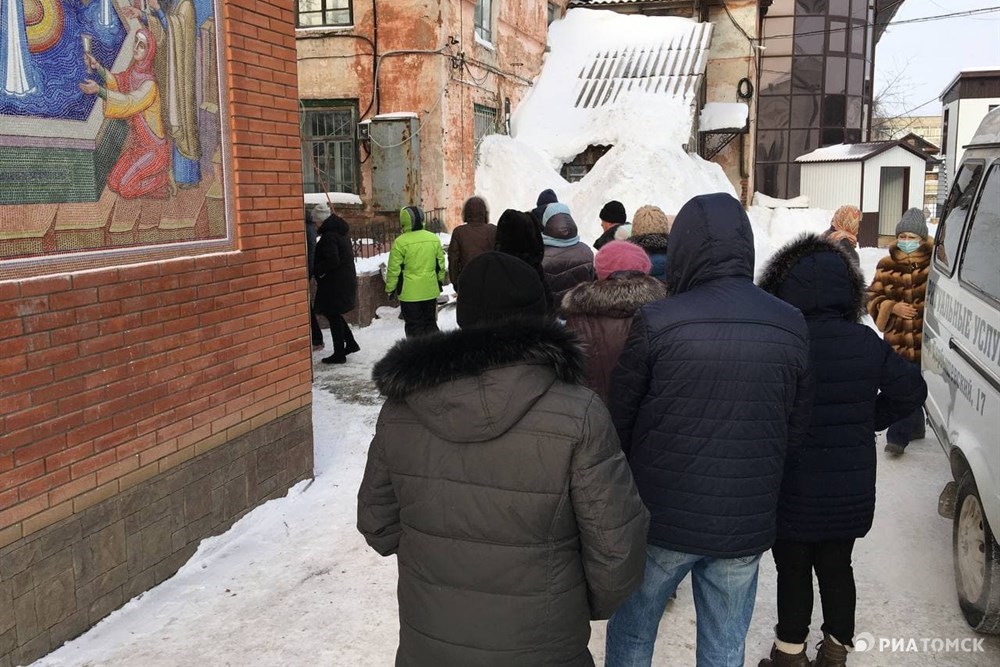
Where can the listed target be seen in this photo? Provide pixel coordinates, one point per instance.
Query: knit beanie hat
(613, 211)
(617, 256)
(496, 287)
(475, 210)
(650, 220)
(320, 212)
(546, 197)
(552, 209)
(912, 221)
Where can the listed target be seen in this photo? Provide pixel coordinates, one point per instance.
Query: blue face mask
(907, 246)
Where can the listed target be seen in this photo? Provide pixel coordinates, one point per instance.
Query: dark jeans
(795, 562)
(317, 333)
(341, 333)
(910, 427)
(420, 317)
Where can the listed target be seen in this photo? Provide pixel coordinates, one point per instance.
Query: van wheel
(977, 560)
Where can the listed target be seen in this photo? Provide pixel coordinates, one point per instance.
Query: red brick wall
(110, 376)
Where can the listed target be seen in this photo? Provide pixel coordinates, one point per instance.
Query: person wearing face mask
(896, 304)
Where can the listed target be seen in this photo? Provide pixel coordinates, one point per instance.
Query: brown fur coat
(901, 277)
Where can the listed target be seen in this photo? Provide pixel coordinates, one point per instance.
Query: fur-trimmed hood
(618, 297)
(651, 243)
(817, 277)
(474, 384)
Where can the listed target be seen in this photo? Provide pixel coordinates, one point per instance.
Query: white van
(961, 364)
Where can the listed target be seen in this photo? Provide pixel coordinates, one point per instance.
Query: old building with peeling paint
(395, 96)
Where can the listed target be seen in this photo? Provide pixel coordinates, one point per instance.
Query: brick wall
(114, 376)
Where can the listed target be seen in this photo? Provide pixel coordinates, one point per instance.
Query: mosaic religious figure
(173, 25)
(133, 94)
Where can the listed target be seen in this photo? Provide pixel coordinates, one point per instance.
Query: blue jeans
(724, 594)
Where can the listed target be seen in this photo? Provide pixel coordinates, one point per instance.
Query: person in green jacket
(416, 273)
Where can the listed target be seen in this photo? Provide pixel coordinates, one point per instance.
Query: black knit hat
(496, 287)
(613, 211)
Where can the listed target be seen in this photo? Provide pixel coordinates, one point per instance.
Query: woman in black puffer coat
(337, 291)
(827, 498)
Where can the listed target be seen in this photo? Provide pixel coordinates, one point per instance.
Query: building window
(313, 13)
(486, 123)
(484, 20)
(329, 146)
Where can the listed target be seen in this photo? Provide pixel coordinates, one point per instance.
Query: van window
(979, 264)
(956, 210)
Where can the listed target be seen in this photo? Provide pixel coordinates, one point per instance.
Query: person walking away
(827, 499)
(843, 231)
(896, 304)
(518, 236)
(496, 478)
(545, 197)
(650, 229)
(416, 273)
(600, 312)
(311, 239)
(614, 223)
(567, 260)
(471, 239)
(336, 276)
(709, 393)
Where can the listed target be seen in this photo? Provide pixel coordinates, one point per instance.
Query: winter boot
(782, 659)
(894, 449)
(335, 359)
(352, 347)
(831, 653)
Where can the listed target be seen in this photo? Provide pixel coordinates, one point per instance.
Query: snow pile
(723, 116)
(760, 199)
(646, 164)
(774, 227)
(331, 197)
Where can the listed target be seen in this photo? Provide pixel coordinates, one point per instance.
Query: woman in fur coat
(600, 312)
(497, 480)
(896, 303)
(827, 497)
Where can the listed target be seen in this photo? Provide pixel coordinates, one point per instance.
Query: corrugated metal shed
(854, 152)
(673, 68)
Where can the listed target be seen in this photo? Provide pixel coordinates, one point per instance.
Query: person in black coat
(338, 283)
(311, 238)
(827, 496)
(518, 235)
(545, 197)
(709, 393)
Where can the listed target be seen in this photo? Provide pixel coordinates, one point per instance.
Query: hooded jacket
(860, 386)
(711, 390)
(416, 268)
(498, 482)
(518, 236)
(468, 241)
(901, 278)
(336, 277)
(600, 313)
(567, 261)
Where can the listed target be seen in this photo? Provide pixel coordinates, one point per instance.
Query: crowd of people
(603, 425)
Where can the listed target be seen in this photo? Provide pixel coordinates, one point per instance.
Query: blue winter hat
(554, 208)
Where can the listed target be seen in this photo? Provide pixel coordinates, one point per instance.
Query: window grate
(329, 149)
(486, 122)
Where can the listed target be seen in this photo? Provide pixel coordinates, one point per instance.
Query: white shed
(883, 179)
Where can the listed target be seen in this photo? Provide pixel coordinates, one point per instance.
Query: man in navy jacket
(710, 391)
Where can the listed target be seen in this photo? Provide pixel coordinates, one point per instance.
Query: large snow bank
(723, 116)
(646, 164)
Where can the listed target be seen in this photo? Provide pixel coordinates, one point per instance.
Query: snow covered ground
(293, 583)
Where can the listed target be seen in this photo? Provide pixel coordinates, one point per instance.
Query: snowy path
(293, 583)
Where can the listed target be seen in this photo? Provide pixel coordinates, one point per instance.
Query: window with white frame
(329, 146)
(319, 13)
(484, 20)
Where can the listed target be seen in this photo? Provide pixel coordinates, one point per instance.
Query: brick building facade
(150, 398)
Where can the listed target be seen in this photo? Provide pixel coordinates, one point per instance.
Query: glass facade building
(814, 86)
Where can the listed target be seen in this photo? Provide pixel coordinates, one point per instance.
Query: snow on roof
(723, 116)
(332, 197)
(855, 152)
(646, 129)
(395, 115)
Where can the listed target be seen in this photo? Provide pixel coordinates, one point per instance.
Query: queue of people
(595, 433)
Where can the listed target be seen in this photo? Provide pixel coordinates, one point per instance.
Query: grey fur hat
(912, 221)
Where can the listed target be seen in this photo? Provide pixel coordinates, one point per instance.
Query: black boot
(780, 659)
(831, 653)
(352, 347)
(335, 359)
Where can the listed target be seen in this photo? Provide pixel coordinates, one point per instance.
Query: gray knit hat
(912, 221)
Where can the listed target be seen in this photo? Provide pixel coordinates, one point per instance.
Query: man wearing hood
(496, 479)
(710, 391)
(416, 272)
